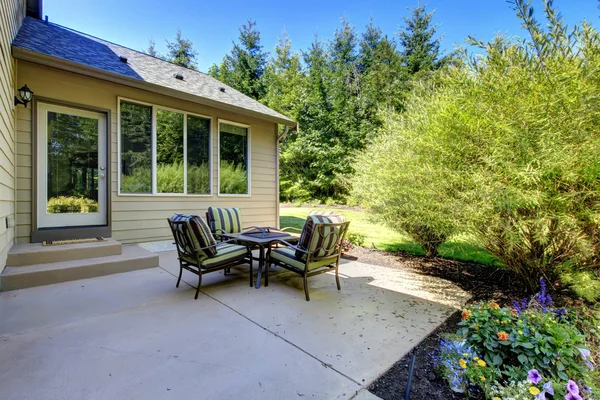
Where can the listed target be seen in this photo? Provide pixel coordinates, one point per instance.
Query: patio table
(261, 238)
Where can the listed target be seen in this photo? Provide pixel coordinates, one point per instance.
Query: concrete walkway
(134, 335)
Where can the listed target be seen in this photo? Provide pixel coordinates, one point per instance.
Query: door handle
(101, 175)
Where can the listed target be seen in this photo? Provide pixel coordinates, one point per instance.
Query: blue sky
(213, 25)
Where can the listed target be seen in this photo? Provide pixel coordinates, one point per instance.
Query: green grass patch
(460, 247)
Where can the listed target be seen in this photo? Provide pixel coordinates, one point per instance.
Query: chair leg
(306, 287)
(267, 268)
(199, 284)
(251, 272)
(337, 275)
(180, 272)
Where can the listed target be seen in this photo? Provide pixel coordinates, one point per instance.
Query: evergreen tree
(284, 79)
(342, 59)
(181, 52)
(344, 85)
(151, 50)
(384, 80)
(420, 51)
(244, 68)
(368, 43)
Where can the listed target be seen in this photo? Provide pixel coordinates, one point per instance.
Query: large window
(234, 165)
(136, 148)
(180, 162)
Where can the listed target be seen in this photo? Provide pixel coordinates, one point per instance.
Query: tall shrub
(505, 145)
(402, 178)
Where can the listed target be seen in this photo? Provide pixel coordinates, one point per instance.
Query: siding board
(11, 15)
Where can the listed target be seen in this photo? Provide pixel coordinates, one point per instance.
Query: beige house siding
(12, 13)
(143, 218)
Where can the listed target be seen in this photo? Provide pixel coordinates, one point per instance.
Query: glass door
(71, 167)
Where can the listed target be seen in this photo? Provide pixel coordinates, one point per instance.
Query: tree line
(335, 90)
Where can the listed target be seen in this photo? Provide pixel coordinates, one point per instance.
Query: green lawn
(384, 238)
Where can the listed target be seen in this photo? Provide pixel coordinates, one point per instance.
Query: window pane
(136, 148)
(233, 163)
(169, 152)
(198, 155)
(72, 164)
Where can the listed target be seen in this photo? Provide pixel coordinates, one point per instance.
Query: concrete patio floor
(134, 335)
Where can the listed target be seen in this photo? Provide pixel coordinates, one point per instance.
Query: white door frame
(44, 219)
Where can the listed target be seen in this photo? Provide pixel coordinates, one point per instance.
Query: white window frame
(153, 151)
(248, 156)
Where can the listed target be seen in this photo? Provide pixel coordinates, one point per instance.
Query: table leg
(261, 264)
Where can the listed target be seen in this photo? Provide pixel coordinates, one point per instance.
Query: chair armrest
(292, 246)
(291, 228)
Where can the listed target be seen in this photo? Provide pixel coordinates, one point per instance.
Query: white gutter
(286, 131)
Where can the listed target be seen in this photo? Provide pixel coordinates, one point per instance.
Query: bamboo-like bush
(505, 146)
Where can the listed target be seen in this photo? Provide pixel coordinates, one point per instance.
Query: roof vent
(123, 59)
(179, 76)
(222, 89)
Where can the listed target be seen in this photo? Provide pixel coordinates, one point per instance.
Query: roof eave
(66, 65)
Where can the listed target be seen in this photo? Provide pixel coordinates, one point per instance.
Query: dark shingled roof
(66, 44)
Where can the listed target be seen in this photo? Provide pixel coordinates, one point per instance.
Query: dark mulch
(483, 282)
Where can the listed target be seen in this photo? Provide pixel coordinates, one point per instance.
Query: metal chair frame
(182, 242)
(335, 248)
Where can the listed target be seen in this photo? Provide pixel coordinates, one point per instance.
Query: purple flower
(521, 306)
(572, 387)
(534, 376)
(585, 353)
(573, 396)
(548, 388)
(543, 297)
(560, 311)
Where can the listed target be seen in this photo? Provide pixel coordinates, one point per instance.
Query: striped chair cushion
(201, 236)
(227, 220)
(288, 256)
(309, 226)
(226, 253)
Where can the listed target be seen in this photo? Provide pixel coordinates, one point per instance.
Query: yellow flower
(465, 354)
(534, 391)
(462, 363)
(482, 378)
(520, 332)
(497, 398)
(481, 363)
(476, 358)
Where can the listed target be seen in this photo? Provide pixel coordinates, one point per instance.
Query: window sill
(233, 195)
(163, 195)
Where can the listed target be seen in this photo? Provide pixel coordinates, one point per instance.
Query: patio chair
(224, 220)
(318, 250)
(199, 253)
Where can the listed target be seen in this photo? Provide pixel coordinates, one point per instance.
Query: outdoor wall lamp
(25, 96)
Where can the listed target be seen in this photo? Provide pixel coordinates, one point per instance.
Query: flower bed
(529, 351)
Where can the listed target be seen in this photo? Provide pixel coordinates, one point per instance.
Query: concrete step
(132, 258)
(35, 253)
